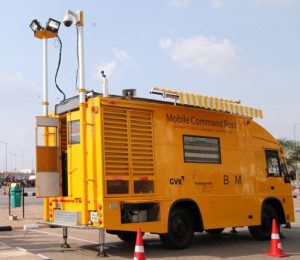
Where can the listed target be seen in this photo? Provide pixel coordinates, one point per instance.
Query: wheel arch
(277, 205)
(190, 206)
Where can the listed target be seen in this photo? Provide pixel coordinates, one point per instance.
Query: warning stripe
(275, 236)
(139, 249)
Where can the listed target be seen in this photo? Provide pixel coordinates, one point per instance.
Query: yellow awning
(212, 103)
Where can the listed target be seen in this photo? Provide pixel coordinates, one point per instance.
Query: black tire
(264, 231)
(215, 231)
(180, 231)
(127, 236)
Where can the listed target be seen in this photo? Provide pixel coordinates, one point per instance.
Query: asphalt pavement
(45, 242)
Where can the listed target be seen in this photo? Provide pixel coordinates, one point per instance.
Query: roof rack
(212, 103)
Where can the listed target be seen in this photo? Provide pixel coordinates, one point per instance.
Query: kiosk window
(74, 132)
(273, 163)
(201, 149)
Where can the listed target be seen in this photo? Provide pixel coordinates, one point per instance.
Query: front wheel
(181, 230)
(264, 231)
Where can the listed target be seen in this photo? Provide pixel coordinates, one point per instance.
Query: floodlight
(52, 25)
(35, 26)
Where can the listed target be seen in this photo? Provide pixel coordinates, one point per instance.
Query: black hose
(58, 66)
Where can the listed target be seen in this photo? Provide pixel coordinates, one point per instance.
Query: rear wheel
(181, 230)
(264, 231)
(215, 231)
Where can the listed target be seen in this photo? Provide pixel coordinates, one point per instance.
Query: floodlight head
(52, 25)
(35, 26)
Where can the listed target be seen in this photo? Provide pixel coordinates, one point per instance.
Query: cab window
(273, 163)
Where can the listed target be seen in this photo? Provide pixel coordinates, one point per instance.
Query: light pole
(51, 31)
(14, 169)
(5, 157)
(23, 149)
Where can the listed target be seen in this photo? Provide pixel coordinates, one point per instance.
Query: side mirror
(292, 175)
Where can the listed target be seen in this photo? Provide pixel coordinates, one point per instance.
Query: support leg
(101, 243)
(233, 230)
(65, 238)
(287, 225)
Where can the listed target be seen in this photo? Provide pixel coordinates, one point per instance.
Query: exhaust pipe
(104, 84)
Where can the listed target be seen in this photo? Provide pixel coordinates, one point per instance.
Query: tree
(291, 150)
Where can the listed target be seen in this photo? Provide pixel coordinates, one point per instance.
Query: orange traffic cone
(275, 247)
(139, 253)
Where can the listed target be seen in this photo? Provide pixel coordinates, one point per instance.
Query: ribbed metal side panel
(116, 147)
(141, 135)
(128, 148)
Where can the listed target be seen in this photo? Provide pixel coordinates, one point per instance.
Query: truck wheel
(215, 231)
(181, 230)
(127, 236)
(264, 231)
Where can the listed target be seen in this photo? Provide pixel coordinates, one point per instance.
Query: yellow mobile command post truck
(171, 168)
(192, 164)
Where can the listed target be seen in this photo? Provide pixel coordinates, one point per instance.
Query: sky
(246, 50)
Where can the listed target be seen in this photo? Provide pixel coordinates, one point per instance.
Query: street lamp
(51, 30)
(5, 157)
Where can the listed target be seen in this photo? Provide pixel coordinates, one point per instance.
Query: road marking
(43, 257)
(21, 249)
(8, 251)
(39, 255)
(2, 247)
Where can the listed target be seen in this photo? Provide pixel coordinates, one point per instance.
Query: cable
(76, 87)
(59, 60)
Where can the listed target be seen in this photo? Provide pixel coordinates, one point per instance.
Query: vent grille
(128, 146)
(141, 143)
(116, 156)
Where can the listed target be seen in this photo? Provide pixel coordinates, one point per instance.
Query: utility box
(15, 195)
